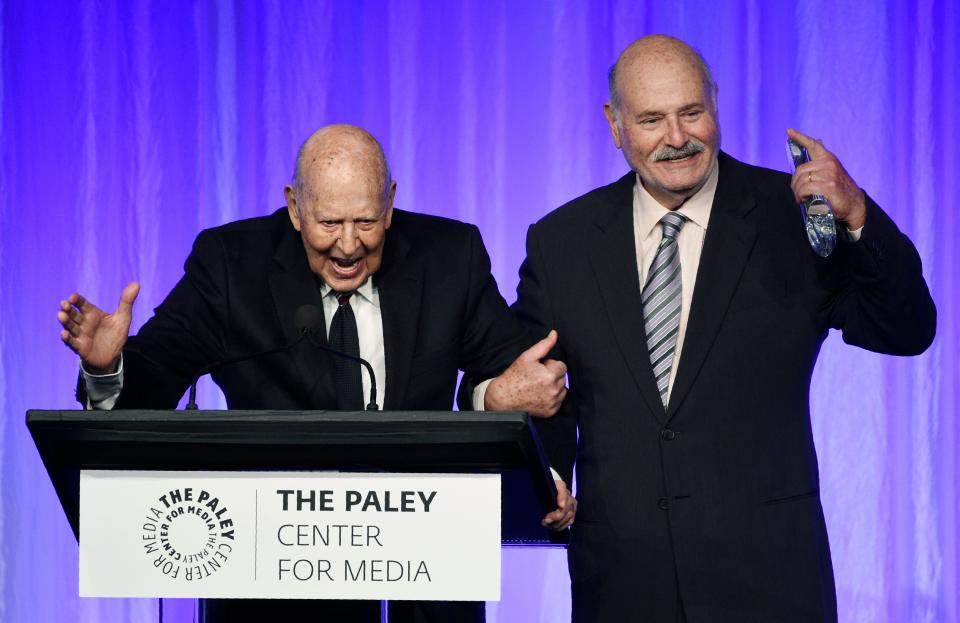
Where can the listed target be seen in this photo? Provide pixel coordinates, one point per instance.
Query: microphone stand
(305, 334)
(192, 401)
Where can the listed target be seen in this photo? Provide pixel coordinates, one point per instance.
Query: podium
(264, 443)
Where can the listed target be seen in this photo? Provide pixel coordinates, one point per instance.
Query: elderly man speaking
(410, 293)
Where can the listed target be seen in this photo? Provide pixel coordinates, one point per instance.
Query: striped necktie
(661, 302)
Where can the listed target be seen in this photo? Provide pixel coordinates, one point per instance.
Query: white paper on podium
(315, 535)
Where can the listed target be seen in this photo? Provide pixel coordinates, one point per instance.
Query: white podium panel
(315, 535)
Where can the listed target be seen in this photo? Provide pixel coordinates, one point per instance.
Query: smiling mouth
(681, 159)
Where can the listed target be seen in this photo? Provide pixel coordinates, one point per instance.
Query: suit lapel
(613, 255)
(726, 249)
(293, 284)
(400, 285)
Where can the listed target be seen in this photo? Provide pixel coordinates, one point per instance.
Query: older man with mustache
(690, 319)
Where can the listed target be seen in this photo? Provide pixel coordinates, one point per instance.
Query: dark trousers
(338, 611)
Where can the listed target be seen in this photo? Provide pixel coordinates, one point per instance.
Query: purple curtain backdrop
(129, 126)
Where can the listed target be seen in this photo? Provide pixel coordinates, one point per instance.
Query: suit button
(668, 435)
(662, 504)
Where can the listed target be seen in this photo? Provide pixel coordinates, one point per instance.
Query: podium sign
(305, 535)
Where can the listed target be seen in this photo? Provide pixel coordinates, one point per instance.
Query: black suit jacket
(718, 493)
(244, 281)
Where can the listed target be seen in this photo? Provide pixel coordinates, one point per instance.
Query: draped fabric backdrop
(129, 126)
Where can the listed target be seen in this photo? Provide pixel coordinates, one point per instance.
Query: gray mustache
(689, 148)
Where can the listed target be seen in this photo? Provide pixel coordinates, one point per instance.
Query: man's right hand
(96, 336)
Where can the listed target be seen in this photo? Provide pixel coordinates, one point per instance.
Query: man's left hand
(562, 518)
(824, 175)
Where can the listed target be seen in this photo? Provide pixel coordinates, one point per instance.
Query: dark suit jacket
(244, 281)
(718, 493)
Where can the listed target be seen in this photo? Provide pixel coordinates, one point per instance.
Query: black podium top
(397, 441)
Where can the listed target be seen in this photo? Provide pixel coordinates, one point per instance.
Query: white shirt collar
(365, 291)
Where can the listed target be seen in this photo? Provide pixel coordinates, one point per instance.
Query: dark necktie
(344, 337)
(661, 303)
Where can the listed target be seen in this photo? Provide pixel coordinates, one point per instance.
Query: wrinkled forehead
(664, 87)
(342, 195)
(334, 173)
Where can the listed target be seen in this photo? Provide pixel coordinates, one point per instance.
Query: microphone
(308, 321)
(308, 317)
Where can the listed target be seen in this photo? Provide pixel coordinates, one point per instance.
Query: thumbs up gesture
(532, 383)
(96, 336)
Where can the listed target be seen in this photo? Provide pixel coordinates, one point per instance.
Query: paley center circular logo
(188, 534)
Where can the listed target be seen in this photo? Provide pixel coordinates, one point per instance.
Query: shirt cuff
(103, 390)
(556, 476)
(479, 395)
(853, 235)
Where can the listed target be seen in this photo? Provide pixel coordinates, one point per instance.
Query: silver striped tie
(661, 302)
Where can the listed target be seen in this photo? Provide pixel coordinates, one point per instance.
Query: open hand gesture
(96, 336)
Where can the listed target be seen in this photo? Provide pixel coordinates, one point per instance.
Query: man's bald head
(341, 153)
(660, 50)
